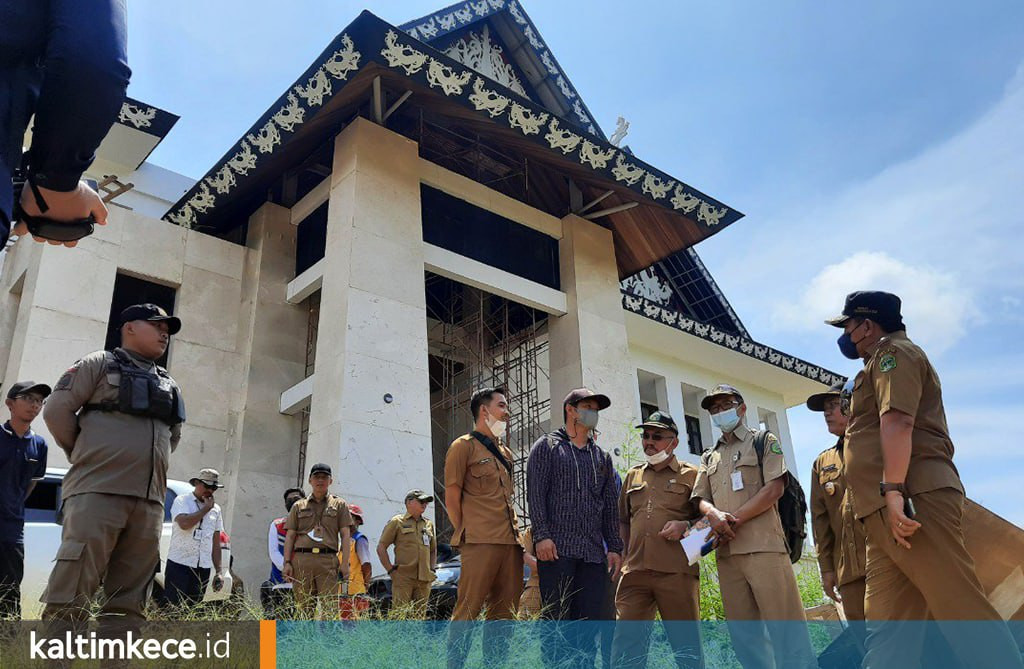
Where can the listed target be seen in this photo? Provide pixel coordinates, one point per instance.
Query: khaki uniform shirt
(329, 514)
(735, 452)
(649, 499)
(414, 543)
(110, 452)
(897, 376)
(838, 536)
(488, 516)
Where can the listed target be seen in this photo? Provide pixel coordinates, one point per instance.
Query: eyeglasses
(655, 436)
(31, 399)
(831, 405)
(719, 408)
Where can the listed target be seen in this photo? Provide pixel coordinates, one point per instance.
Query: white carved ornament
(593, 155)
(401, 55)
(655, 187)
(480, 52)
(710, 214)
(447, 79)
(684, 201)
(558, 138)
(626, 172)
(222, 181)
(648, 285)
(487, 100)
(524, 119)
(137, 116)
(244, 160)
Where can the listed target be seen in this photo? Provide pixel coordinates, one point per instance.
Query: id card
(426, 539)
(737, 481)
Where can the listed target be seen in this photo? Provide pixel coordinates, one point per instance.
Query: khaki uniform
(754, 571)
(530, 602)
(415, 544)
(315, 563)
(656, 576)
(488, 541)
(113, 494)
(838, 535)
(936, 577)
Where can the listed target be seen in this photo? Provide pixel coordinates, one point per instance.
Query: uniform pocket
(62, 587)
(484, 478)
(677, 488)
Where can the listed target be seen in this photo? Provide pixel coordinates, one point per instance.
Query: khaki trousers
(315, 578)
(410, 592)
(639, 596)
(764, 612)
(935, 579)
(853, 598)
(108, 539)
(491, 574)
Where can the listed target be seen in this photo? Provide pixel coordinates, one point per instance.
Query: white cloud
(937, 303)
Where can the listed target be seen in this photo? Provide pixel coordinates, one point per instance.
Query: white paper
(694, 541)
(737, 481)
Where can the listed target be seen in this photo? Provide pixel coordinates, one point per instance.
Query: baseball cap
(418, 495)
(660, 420)
(580, 394)
(150, 312)
(817, 401)
(23, 387)
(879, 306)
(321, 467)
(718, 391)
(356, 511)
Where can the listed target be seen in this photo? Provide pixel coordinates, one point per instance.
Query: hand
(63, 206)
(218, 582)
(208, 503)
(344, 572)
(546, 551)
(828, 584)
(287, 572)
(674, 530)
(901, 526)
(722, 524)
(614, 565)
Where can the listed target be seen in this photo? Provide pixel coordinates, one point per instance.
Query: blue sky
(871, 145)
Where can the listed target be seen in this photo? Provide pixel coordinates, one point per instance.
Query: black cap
(817, 402)
(883, 308)
(150, 312)
(418, 495)
(320, 467)
(22, 387)
(660, 420)
(580, 394)
(718, 391)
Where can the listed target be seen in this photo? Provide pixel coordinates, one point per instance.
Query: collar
(10, 430)
(409, 516)
(883, 342)
(137, 358)
(839, 444)
(740, 433)
(313, 500)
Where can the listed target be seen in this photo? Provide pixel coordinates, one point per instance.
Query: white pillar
(589, 345)
(372, 338)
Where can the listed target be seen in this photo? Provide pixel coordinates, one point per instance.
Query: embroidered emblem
(830, 488)
(887, 363)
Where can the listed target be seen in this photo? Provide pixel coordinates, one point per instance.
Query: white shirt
(194, 547)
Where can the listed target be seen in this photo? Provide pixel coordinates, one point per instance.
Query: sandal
(46, 228)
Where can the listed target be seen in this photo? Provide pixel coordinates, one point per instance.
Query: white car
(42, 539)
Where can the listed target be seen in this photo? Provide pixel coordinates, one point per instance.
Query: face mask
(657, 458)
(727, 420)
(588, 418)
(497, 427)
(847, 346)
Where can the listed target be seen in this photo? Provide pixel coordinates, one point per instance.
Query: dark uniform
(315, 563)
(656, 576)
(935, 579)
(118, 417)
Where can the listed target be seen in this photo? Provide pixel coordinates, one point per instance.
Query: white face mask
(497, 427)
(657, 458)
(727, 420)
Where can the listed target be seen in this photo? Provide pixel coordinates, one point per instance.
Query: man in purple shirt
(574, 513)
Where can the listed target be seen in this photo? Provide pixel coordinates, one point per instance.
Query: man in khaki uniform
(838, 535)
(478, 497)
(739, 498)
(897, 449)
(655, 510)
(117, 416)
(319, 527)
(415, 553)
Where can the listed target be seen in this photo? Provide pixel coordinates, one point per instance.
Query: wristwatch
(890, 487)
(393, 568)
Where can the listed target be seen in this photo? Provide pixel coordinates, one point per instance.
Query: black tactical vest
(140, 392)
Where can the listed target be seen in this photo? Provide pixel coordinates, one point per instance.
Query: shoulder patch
(68, 378)
(887, 362)
(776, 448)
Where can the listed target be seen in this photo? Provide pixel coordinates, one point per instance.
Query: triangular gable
(683, 284)
(543, 73)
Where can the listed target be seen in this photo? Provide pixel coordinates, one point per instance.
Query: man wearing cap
(319, 527)
(22, 463)
(196, 524)
(574, 512)
(738, 491)
(117, 415)
(838, 536)
(655, 510)
(478, 499)
(412, 571)
(907, 492)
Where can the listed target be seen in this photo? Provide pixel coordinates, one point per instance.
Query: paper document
(697, 542)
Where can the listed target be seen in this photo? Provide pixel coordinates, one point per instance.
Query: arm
(455, 463)
(897, 429)
(187, 521)
(433, 549)
(40, 470)
(453, 502)
(538, 482)
(824, 538)
(610, 512)
(387, 538)
(363, 553)
(289, 544)
(216, 552)
(71, 393)
(276, 558)
(346, 536)
(175, 436)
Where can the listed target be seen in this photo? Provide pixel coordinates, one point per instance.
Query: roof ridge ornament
(481, 53)
(621, 130)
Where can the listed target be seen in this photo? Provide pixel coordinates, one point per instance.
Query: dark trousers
(572, 591)
(12, 570)
(184, 585)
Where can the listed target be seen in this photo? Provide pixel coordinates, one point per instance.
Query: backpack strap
(760, 437)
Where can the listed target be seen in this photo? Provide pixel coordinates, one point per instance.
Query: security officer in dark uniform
(907, 492)
(117, 415)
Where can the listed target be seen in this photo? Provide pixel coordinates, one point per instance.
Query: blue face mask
(847, 346)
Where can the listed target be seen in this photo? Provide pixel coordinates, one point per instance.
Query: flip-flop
(47, 228)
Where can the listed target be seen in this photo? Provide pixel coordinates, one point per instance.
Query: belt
(315, 551)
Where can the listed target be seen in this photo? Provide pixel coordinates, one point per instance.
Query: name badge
(426, 539)
(737, 481)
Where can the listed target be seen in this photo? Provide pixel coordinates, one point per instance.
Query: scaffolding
(478, 340)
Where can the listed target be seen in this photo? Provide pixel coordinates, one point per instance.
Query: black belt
(326, 551)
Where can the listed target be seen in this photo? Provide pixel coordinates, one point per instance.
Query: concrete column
(372, 343)
(589, 345)
(262, 453)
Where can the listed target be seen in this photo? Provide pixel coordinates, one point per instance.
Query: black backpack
(792, 505)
